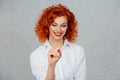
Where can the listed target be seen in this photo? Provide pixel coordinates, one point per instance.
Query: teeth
(58, 34)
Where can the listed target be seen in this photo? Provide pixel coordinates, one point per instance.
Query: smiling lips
(57, 34)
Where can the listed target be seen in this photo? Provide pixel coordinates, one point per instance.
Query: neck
(56, 43)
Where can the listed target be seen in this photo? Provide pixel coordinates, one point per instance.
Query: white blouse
(71, 65)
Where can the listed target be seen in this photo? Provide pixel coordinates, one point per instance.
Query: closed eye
(54, 24)
(64, 25)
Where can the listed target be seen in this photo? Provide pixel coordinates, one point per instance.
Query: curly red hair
(47, 18)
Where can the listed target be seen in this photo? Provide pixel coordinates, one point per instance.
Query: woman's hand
(53, 56)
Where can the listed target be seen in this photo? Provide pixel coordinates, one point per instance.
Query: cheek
(64, 29)
(53, 28)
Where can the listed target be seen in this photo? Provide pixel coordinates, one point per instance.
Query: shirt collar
(47, 44)
(66, 43)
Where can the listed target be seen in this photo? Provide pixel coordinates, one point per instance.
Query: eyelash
(54, 25)
(64, 26)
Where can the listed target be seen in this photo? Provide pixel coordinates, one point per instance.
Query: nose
(58, 28)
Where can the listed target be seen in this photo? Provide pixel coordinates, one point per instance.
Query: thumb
(59, 52)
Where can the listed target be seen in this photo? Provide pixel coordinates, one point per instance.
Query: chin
(58, 38)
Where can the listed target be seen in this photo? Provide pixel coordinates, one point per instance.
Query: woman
(58, 58)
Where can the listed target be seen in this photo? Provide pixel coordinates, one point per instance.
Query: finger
(59, 53)
(58, 50)
(50, 50)
(55, 53)
(52, 55)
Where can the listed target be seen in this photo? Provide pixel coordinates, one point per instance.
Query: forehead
(61, 19)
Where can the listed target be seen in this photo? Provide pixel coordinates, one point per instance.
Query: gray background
(99, 34)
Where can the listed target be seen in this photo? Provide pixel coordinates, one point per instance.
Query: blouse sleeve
(38, 68)
(81, 66)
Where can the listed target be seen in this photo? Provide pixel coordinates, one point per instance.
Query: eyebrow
(64, 23)
(54, 23)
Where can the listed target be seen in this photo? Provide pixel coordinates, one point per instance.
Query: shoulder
(74, 45)
(37, 52)
(77, 47)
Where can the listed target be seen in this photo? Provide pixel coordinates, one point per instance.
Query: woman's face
(58, 28)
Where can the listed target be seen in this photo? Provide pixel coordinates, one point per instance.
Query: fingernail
(58, 50)
(51, 55)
